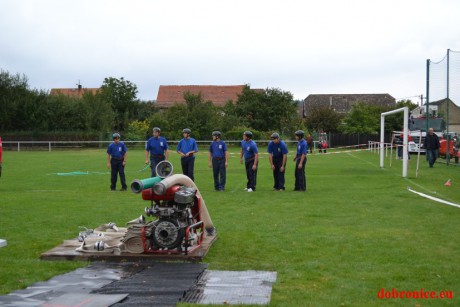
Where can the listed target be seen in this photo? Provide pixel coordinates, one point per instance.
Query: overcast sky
(304, 47)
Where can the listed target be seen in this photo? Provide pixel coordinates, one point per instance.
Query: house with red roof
(74, 92)
(168, 95)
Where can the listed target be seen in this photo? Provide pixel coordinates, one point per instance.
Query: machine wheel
(167, 233)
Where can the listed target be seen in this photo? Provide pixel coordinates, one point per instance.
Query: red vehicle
(453, 150)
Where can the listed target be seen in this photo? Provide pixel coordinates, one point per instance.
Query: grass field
(356, 230)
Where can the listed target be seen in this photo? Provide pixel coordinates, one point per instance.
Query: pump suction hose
(138, 185)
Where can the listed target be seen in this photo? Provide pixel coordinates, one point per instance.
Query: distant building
(454, 113)
(74, 92)
(168, 95)
(342, 103)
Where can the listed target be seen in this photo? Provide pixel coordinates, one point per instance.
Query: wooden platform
(68, 252)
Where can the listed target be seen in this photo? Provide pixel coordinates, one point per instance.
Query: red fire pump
(177, 225)
(180, 214)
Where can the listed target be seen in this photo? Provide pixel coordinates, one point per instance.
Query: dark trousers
(400, 151)
(154, 160)
(278, 175)
(251, 174)
(431, 156)
(219, 172)
(188, 166)
(300, 180)
(117, 167)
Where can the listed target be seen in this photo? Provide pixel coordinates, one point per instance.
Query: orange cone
(447, 184)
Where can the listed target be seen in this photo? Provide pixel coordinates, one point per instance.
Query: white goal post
(405, 130)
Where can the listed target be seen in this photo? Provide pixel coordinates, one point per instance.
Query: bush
(237, 134)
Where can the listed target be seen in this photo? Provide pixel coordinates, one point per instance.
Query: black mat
(158, 284)
(102, 283)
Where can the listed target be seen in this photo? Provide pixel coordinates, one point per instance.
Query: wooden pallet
(66, 251)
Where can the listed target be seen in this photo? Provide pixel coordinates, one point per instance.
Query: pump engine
(177, 224)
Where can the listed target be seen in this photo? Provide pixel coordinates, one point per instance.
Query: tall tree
(271, 109)
(121, 94)
(200, 116)
(13, 90)
(323, 118)
(363, 118)
(100, 115)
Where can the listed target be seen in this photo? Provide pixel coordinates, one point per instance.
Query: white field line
(434, 198)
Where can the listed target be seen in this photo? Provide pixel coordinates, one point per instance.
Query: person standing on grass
(116, 161)
(277, 156)
(310, 143)
(218, 160)
(455, 144)
(157, 147)
(431, 144)
(250, 153)
(300, 160)
(187, 148)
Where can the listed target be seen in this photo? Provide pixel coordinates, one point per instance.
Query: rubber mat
(160, 284)
(232, 288)
(144, 283)
(84, 300)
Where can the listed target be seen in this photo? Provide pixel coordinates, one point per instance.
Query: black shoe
(123, 189)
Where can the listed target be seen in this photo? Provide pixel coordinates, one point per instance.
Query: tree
(271, 109)
(363, 118)
(13, 90)
(99, 115)
(121, 94)
(200, 116)
(395, 121)
(323, 118)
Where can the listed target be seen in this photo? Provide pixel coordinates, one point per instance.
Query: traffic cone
(447, 184)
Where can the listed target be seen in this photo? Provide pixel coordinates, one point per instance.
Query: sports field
(357, 229)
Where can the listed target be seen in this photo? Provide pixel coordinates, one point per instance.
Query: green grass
(356, 230)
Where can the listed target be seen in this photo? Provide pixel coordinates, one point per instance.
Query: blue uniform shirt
(249, 149)
(277, 150)
(218, 149)
(302, 147)
(186, 145)
(117, 151)
(156, 146)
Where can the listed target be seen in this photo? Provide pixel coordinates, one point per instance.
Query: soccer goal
(405, 133)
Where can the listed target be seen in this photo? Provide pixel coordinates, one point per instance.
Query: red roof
(218, 94)
(73, 92)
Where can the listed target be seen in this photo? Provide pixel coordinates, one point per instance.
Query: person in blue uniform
(277, 156)
(116, 161)
(300, 160)
(156, 150)
(187, 149)
(250, 153)
(218, 160)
